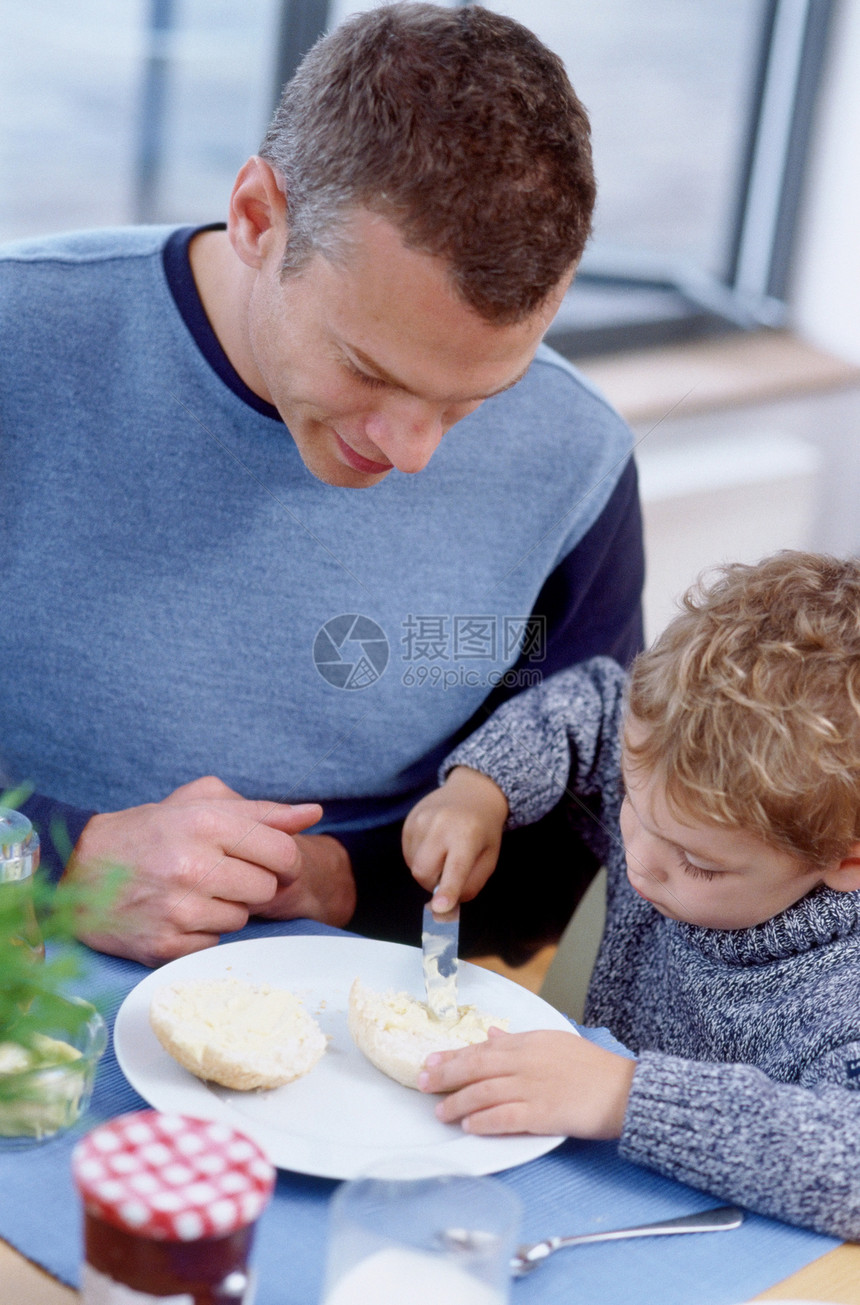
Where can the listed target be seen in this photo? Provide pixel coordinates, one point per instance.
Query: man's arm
(59, 826)
(592, 601)
(323, 887)
(200, 862)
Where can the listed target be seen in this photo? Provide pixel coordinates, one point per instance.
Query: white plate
(345, 1115)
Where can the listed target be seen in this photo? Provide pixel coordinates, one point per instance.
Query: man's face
(703, 874)
(370, 360)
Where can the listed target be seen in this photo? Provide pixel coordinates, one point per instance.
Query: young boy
(721, 786)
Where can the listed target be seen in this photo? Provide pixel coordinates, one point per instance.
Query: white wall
(731, 496)
(825, 299)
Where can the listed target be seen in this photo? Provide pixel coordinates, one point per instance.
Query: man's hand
(451, 838)
(542, 1082)
(200, 862)
(322, 888)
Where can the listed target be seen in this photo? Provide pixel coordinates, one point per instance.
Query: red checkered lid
(171, 1178)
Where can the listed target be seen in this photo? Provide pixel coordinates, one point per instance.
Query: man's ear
(257, 217)
(844, 876)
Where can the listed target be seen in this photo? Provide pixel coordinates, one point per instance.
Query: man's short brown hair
(460, 127)
(750, 701)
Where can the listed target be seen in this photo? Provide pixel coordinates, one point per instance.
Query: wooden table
(835, 1277)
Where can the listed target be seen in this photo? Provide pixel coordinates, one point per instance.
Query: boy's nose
(644, 858)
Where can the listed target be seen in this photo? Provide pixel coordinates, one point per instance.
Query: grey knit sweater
(748, 1040)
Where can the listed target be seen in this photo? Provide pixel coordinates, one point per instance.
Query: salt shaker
(170, 1205)
(19, 859)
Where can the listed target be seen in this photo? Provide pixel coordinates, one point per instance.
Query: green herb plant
(35, 991)
(39, 1008)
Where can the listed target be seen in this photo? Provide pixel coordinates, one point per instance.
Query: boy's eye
(696, 871)
(372, 382)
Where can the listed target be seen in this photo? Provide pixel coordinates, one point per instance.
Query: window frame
(631, 298)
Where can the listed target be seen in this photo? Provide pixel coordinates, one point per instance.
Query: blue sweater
(748, 1040)
(169, 567)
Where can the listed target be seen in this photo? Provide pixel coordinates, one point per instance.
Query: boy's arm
(787, 1151)
(561, 738)
(539, 1082)
(451, 838)
(783, 1150)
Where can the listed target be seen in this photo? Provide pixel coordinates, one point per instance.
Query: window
(700, 116)
(143, 110)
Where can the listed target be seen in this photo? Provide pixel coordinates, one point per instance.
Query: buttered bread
(397, 1033)
(237, 1034)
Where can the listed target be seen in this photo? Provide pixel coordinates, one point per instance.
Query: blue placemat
(576, 1188)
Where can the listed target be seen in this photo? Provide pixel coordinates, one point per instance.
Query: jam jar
(170, 1204)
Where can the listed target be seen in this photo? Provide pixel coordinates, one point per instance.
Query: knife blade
(440, 937)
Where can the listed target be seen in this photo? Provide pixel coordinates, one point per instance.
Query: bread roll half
(397, 1033)
(237, 1034)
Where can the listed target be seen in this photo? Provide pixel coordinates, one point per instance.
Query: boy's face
(703, 874)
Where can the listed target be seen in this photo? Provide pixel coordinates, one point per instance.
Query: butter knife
(440, 936)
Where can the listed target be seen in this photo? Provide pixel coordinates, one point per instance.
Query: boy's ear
(844, 876)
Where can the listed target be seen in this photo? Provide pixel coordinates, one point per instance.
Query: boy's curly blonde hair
(751, 703)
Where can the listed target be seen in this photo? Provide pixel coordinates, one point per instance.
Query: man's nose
(408, 431)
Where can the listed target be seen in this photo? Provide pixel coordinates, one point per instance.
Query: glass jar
(19, 859)
(170, 1207)
(46, 1084)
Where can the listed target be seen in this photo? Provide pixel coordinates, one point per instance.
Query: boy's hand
(451, 838)
(542, 1082)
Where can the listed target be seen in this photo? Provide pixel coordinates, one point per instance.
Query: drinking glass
(423, 1238)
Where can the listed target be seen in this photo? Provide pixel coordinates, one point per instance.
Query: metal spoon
(528, 1257)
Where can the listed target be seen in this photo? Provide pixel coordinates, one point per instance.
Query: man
(217, 625)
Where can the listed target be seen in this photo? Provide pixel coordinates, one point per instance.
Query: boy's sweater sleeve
(560, 738)
(791, 1152)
